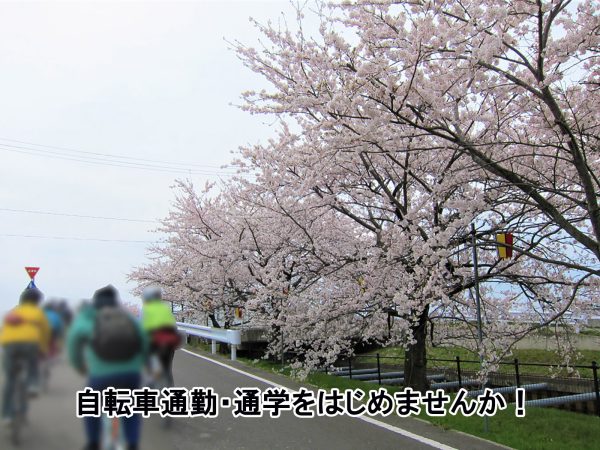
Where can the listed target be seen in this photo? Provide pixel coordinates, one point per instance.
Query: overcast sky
(148, 80)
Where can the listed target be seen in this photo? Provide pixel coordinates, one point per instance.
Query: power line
(107, 162)
(109, 155)
(54, 213)
(72, 238)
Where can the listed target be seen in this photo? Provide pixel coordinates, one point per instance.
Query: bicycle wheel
(112, 435)
(161, 383)
(160, 380)
(15, 431)
(45, 375)
(19, 402)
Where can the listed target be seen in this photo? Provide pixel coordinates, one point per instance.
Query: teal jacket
(83, 358)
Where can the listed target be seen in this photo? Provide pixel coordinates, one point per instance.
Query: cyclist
(158, 321)
(54, 348)
(25, 334)
(65, 312)
(108, 345)
(56, 326)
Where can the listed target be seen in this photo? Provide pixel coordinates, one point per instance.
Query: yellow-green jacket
(156, 315)
(26, 323)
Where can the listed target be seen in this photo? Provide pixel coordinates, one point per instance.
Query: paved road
(55, 427)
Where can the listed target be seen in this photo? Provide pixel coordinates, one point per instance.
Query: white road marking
(219, 363)
(392, 428)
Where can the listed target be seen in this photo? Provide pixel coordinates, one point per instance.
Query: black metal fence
(463, 373)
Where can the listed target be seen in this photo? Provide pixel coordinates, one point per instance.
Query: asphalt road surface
(54, 426)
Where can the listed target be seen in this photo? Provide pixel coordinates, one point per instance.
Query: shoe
(92, 447)
(33, 391)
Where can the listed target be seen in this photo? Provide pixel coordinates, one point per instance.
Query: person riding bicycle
(25, 334)
(56, 326)
(158, 321)
(65, 312)
(106, 343)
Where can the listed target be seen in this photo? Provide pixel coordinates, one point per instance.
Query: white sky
(151, 80)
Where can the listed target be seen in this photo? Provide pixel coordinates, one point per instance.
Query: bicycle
(19, 399)
(112, 435)
(45, 365)
(159, 380)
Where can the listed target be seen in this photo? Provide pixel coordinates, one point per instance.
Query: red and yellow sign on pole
(505, 245)
(238, 312)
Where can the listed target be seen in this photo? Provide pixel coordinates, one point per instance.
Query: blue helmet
(31, 295)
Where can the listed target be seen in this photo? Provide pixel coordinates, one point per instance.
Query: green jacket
(156, 315)
(83, 358)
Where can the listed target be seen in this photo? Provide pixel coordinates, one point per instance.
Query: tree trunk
(415, 356)
(214, 321)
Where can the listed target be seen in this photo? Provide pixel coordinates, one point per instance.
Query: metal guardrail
(231, 337)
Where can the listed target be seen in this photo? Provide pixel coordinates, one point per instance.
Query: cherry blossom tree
(403, 124)
(244, 248)
(496, 86)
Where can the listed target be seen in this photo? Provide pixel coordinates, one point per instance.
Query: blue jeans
(29, 352)
(131, 425)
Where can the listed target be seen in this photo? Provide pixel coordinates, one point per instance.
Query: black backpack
(116, 337)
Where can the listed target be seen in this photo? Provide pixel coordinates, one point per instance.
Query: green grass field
(540, 429)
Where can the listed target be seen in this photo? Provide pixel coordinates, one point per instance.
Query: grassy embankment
(542, 428)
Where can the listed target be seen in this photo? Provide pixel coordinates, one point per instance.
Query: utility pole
(486, 426)
(476, 279)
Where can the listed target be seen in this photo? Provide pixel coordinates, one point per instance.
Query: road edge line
(392, 428)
